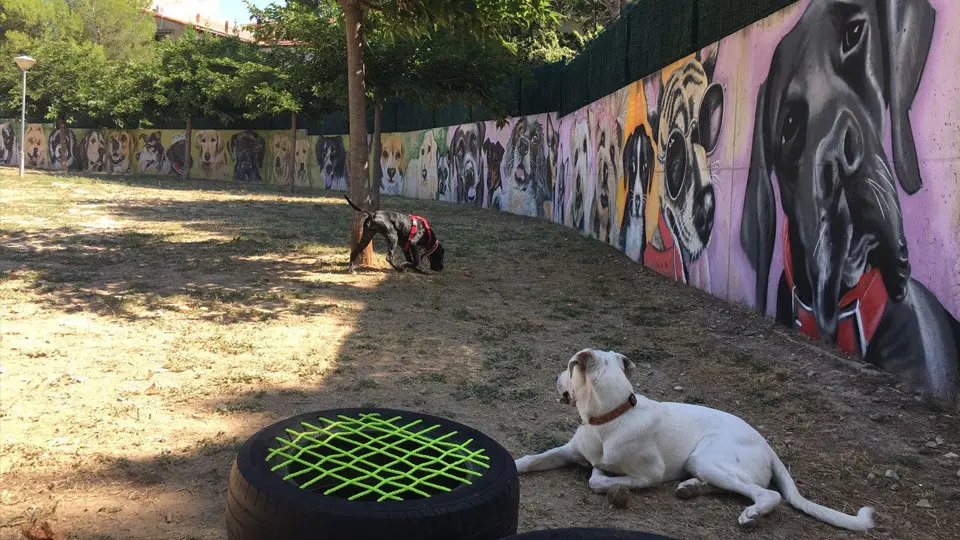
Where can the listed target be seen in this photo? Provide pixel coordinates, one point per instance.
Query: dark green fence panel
(660, 33)
(576, 86)
(541, 92)
(607, 61)
(452, 114)
(717, 19)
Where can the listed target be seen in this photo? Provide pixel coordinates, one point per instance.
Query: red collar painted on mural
(667, 261)
(861, 308)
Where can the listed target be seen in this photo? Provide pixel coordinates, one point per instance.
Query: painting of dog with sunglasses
(685, 114)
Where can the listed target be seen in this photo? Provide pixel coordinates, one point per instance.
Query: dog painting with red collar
(411, 233)
(686, 115)
(841, 81)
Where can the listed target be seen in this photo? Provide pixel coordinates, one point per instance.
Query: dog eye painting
(805, 166)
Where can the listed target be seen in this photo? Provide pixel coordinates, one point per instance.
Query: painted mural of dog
(606, 124)
(466, 162)
(421, 179)
(445, 191)
(332, 161)
(638, 168)
(63, 152)
(152, 156)
(120, 151)
(93, 151)
(302, 163)
(525, 163)
(35, 147)
(280, 164)
(493, 183)
(393, 156)
(685, 115)
(581, 164)
(177, 154)
(211, 154)
(553, 211)
(9, 148)
(246, 149)
(819, 131)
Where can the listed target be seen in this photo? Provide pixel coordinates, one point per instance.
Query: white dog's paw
(599, 483)
(523, 464)
(749, 518)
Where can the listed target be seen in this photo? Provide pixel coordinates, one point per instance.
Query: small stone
(169, 518)
(939, 441)
(871, 477)
(892, 475)
(811, 373)
(950, 455)
(924, 503)
(678, 388)
(619, 497)
(958, 473)
(932, 444)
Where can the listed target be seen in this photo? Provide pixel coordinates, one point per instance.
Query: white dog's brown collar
(614, 414)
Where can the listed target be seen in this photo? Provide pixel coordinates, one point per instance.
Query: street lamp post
(24, 62)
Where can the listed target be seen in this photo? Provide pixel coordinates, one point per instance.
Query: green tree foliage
(196, 76)
(81, 47)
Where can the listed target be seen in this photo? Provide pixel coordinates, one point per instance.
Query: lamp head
(24, 62)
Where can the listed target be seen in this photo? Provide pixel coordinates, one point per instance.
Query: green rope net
(370, 458)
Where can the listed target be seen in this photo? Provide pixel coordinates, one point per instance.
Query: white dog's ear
(584, 359)
(628, 366)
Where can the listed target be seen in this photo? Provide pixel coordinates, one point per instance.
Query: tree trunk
(187, 158)
(63, 145)
(377, 145)
(293, 150)
(358, 165)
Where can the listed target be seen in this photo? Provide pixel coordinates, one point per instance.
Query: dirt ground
(148, 327)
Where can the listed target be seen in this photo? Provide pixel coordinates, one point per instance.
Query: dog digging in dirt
(633, 442)
(412, 233)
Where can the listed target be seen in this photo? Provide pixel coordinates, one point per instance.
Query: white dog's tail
(861, 522)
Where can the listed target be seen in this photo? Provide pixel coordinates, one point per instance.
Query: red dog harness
(414, 219)
(667, 261)
(861, 308)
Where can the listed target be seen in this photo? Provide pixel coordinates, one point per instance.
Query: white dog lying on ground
(644, 443)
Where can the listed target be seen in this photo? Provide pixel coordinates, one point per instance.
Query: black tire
(587, 534)
(261, 505)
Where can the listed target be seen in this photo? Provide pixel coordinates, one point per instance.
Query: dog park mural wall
(807, 166)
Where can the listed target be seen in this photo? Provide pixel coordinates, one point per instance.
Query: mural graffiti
(818, 131)
(805, 166)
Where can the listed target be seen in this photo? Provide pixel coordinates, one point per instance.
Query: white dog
(645, 442)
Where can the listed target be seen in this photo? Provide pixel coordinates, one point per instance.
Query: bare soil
(148, 327)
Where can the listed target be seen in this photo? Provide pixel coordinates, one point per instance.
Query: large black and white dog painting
(819, 132)
(466, 163)
(246, 149)
(152, 156)
(332, 160)
(526, 185)
(9, 148)
(638, 167)
(63, 150)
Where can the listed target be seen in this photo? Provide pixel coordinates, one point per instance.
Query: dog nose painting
(804, 166)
